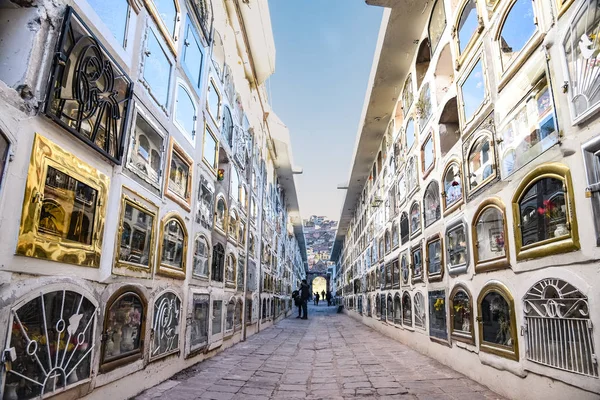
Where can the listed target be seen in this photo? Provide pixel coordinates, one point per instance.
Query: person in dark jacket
(317, 299)
(304, 295)
(297, 301)
(328, 297)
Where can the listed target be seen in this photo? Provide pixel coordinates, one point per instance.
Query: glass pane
(473, 91)
(227, 126)
(407, 94)
(417, 262)
(199, 323)
(146, 152)
(113, 14)
(173, 242)
(461, 321)
(434, 255)
(428, 154)
(210, 149)
(157, 70)
(165, 328)
(168, 13)
(68, 209)
(495, 320)
(411, 174)
(452, 185)
(415, 219)
(213, 100)
(410, 133)
(431, 204)
(406, 310)
(420, 315)
(57, 329)
(456, 245)
(467, 25)
(481, 161)
(200, 267)
(404, 268)
(404, 232)
(490, 235)
(437, 314)
(124, 327)
(185, 111)
(136, 238)
(217, 322)
(192, 56)
(229, 318)
(518, 28)
(437, 24)
(424, 108)
(543, 212)
(179, 176)
(401, 189)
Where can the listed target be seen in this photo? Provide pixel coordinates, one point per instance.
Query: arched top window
(230, 269)
(397, 309)
(407, 310)
(497, 324)
(221, 213)
(227, 126)
(431, 204)
(490, 236)
(402, 190)
(201, 257)
(412, 183)
(404, 228)
(420, 311)
(468, 27)
(422, 61)
(388, 242)
(185, 112)
(390, 308)
(428, 155)
(461, 315)
(544, 215)
(213, 101)
(395, 237)
(166, 13)
(552, 307)
(410, 134)
(518, 26)
(218, 263)
(404, 268)
(481, 161)
(434, 257)
(407, 94)
(416, 263)
(165, 325)
(424, 107)
(472, 91)
(377, 306)
(234, 190)
(452, 196)
(44, 327)
(457, 249)
(230, 315)
(233, 224)
(415, 219)
(437, 24)
(173, 246)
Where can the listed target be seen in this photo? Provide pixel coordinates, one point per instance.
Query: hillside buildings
(470, 228)
(148, 209)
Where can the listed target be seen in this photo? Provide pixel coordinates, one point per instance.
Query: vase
(73, 377)
(117, 343)
(127, 340)
(110, 347)
(561, 230)
(10, 392)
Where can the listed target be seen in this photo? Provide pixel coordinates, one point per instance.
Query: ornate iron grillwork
(165, 328)
(204, 11)
(89, 94)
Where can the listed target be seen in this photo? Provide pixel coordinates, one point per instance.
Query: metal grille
(420, 315)
(558, 329)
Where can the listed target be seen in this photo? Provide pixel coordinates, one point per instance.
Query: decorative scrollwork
(165, 329)
(555, 298)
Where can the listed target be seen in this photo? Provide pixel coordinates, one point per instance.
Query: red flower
(549, 205)
(541, 211)
(454, 183)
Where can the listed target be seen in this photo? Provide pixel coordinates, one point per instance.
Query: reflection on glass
(437, 314)
(406, 309)
(404, 268)
(210, 149)
(461, 321)
(401, 189)
(404, 229)
(417, 262)
(185, 111)
(467, 25)
(490, 235)
(179, 176)
(428, 154)
(68, 208)
(456, 245)
(407, 94)
(495, 320)
(452, 185)
(145, 156)
(543, 212)
(410, 133)
(230, 310)
(518, 28)
(165, 328)
(481, 161)
(123, 327)
(200, 258)
(213, 100)
(530, 131)
(199, 323)
(411, 174)
(227, 126)
(434, 257)
(437, 24)
(431, 204)
(136, 236)
(192, 56)
(415, 219)
(424, 108)
(168, 13)
(473, 91)
(217, 319)
(114, 14)
(173, 242)
(157, 69)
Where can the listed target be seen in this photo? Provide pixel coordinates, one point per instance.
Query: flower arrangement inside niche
(439, 305)
(220, 174)
(124, 330)
(550, 210)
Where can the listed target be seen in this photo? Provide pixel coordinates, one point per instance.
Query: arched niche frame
(480, 158)
(544, 218)
(172, 250)
(461, 314)
(489, 233)
(457, 247)
(452, 187)
(466, 30)
(166, 320)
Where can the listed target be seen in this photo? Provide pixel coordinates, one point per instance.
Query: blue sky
(324, 54)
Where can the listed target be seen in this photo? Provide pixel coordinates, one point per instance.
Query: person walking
(304, 295)
(316, 299)
(297, 301)
(323, 295)
(328, 296)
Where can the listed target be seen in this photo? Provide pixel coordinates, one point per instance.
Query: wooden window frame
(455, 335)
(438, 276)
(166, 270)
(175, 148)
(497, 262)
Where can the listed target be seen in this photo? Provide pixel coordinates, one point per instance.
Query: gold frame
(464, 123)
(200, 236)
(171, 40)
(225, 226)
(497, 262)
(185, 203)
(413, 249)
(431, 239)
(459, 203)
(461, 57)
(212, 168)
(562, 6)
(496, 349)
(213, 84)
(508, 72)
(165, 270)
(470, 339)
(133, 199)
(32, 243)
(413, 235)
(427, 171)
(554, 245)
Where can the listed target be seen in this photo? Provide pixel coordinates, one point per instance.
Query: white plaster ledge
(502, 364)
(468, 347)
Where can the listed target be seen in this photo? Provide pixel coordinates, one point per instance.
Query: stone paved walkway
(330, 356)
